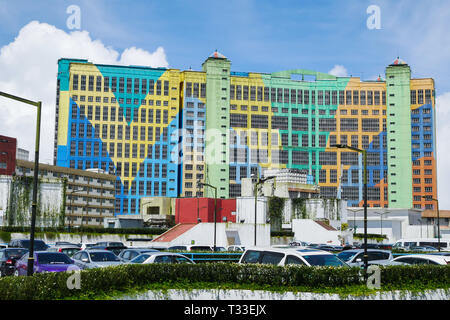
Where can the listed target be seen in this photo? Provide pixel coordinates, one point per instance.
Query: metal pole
(438, 226)
(366, 262)
(35, 190)
(215, 216)
(256, 200)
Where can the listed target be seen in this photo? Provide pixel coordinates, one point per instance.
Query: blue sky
(258, 36)
(264, 36)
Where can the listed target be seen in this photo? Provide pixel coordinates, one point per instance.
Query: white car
(423, 259)
(355, 258)
(294, 256)
(235, 248)
(161, 257)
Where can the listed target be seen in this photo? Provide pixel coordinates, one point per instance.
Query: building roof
(433, 214)
(217, 54)
(398, 62)
(78, 172)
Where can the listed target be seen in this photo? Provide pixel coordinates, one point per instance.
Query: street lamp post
(215, 208)
(364, 153)
(258, 182)
(438, 223)
(38, 105)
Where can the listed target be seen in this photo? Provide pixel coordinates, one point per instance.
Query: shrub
(50, 286)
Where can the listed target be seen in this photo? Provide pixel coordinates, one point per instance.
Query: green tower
(398, 125)
(217, 68)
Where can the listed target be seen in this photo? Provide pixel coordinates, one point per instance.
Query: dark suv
(39, 245)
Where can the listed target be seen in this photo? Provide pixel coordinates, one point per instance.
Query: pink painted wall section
(188, 209)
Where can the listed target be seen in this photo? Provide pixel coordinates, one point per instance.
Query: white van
(420, 242)
(294, 256)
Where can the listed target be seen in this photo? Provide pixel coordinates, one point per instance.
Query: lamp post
(258, 182)
(364, 153)
(38, 105)
(354, 218)
(381, 221)
(430, 198)
(215, 208)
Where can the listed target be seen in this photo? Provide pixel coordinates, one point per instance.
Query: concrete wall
(309, 231)
(77, 238)
(226, 234)
(4, 196)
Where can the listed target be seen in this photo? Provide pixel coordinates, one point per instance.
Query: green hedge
(128, 231)
(94, 282)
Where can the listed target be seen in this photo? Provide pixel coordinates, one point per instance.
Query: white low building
(395, 224)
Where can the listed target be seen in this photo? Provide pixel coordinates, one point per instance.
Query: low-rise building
(88, 196)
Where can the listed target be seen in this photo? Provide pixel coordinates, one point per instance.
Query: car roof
(96, 251)
(426, 256)
(298, 250)
(368, 250)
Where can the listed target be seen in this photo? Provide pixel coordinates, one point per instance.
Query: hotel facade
(161, 131)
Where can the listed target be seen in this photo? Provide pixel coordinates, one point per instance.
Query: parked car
(355, 257)
(298, 244)
(8, 259)
(282, 257)
(45, 261)
(424, 249)
(89, 259)
(236, 248)
(131, 253)
(66, 243)
(423, 259)
(442, 253)
(3, 246)
(39, 245)
(190, 248)
(331, 248)
(69, 250)
(161, 257)
(114, 249)
(85, 246)
(110, 244)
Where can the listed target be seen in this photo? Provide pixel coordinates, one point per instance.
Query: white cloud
(338, 71)
(29, 69)
(443, 151)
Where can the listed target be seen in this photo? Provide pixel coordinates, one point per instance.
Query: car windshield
(141, 258)
(53, 258)
(15, 253)
(38, 245)
(324, 260)
(346, 256)
(103, 256)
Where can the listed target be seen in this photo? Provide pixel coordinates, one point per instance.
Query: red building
(189, 210)
(8, 148)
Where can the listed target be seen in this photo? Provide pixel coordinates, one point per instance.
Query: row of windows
(294, 96)
(106, 113)
(417, 96)
(119, 132)
(120, 85)
(239, 120)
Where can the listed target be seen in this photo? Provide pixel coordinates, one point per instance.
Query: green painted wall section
(217, 126)
(283, 80)
(399, 136)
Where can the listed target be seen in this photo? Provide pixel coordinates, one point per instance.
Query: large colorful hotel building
(162, 130)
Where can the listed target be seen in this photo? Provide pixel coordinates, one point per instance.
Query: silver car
(355, 258)
(161, 257)
(95, 259)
